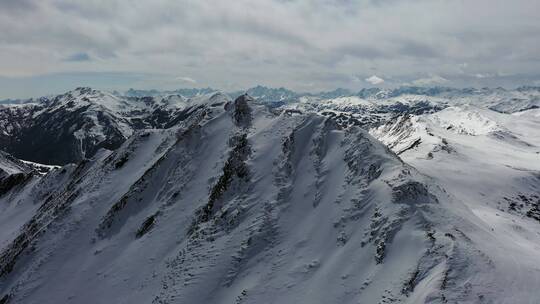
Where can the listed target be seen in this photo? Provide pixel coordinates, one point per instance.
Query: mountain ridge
(94, 119)
(282, 202)
(339, 200)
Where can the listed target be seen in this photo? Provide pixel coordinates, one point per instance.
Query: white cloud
(186, 79)
(374, 80)
(429, 81)
(480, 75)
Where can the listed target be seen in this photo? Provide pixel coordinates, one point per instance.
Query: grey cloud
(360, 51)
(417, 49)
(277, 42)
(78, 57)
(18, 5)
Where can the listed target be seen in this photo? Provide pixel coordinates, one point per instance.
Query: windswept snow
(467, 120)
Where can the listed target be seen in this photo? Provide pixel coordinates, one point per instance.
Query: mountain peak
(244, 98)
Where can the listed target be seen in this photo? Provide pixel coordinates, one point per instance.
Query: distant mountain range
(278, 95)
(73, 126)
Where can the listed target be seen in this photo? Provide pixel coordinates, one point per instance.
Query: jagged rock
(13, 172)
(241, 111)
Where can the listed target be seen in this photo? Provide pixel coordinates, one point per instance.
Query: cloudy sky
(49, 46)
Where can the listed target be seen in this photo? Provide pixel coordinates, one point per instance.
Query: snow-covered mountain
(75, 125)
(399, 99)
(381, 198)
(497, 99)
(186, 93)
(490, 161)
(479, 154)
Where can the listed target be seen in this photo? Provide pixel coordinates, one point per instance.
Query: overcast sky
(49, 46)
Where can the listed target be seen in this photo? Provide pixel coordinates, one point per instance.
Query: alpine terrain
(411, 195)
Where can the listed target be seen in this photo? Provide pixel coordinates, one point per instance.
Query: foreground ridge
(240, 203)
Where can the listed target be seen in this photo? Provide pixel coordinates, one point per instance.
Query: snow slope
(491, 162)
(243, 204)
(14, 177)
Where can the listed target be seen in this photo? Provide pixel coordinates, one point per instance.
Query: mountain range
(412, 195)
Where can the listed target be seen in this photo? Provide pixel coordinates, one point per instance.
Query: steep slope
(15, 177)
(242, 204)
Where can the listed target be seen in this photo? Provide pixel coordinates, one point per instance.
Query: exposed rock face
(241, 111)
(10, 181)
(12, 172)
